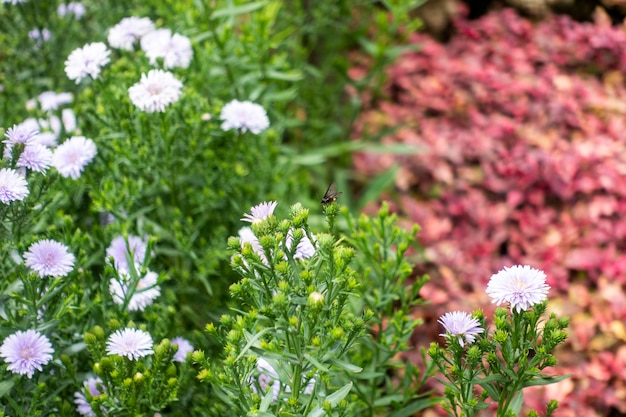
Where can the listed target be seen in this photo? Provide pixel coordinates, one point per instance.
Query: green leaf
(5, 386)
(252, 339)
(546, 380)
(237, 10)
(339, 395)
(416, 406)
(518, 401)
(317, 363)
(346, 366)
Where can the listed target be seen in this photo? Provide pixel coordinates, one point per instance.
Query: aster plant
(482, 368)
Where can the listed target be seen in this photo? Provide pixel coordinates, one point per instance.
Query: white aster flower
(13, 186)
(71, 157)
(69, 120)
(75, 8)
(184, 348)
(128, 31)
(122, 248)
(520, 286)
(49, 258)
(244, 116)
(260, 212)
(144, 295)
(460, 325)
(156, 90)
(26, 352)
(35, 157)
(87, 61)
(131, 343)
(175, 49)
(49, 100)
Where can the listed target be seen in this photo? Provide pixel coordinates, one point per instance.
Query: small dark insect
(331, 194)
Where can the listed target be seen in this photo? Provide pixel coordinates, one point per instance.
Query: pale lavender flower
(267, 379)
(49, 100)
(40, 35)
(49, 258)
(131, 343)
(175, 49)
(87, 61)
(460, 325)
(521, 286)
(75, 8)
(305, 248)
(155, 91)
(244, 116)
(24, 133)
(119, 250)
(69, 120)
(184, 348)
(128, 31)
(26, 352)
(35, 157)
(144, 295)
(13, 186)
(93, 386)
(260, 212)
(246, 235)
(71, 157)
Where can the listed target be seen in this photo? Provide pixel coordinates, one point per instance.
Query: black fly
(331, 194)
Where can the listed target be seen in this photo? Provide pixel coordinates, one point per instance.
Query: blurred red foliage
(520, 137)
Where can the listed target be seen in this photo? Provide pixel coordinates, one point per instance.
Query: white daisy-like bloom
(13, 186)
(49, 258)
(260, 212)
(69, 120)
(94, 387)
(87, 61)
(71, 157)
(521, 286)
(156, 90)
(72, 8)
(244, 116)
(26, 352)
(128, 31)
(132, 343)
(175, 49)
(184, 348)
(461, 325)
(133, 247)
(35, 157)
(144, 295)
(49, 100)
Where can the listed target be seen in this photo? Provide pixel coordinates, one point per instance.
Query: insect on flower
(331, 194)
